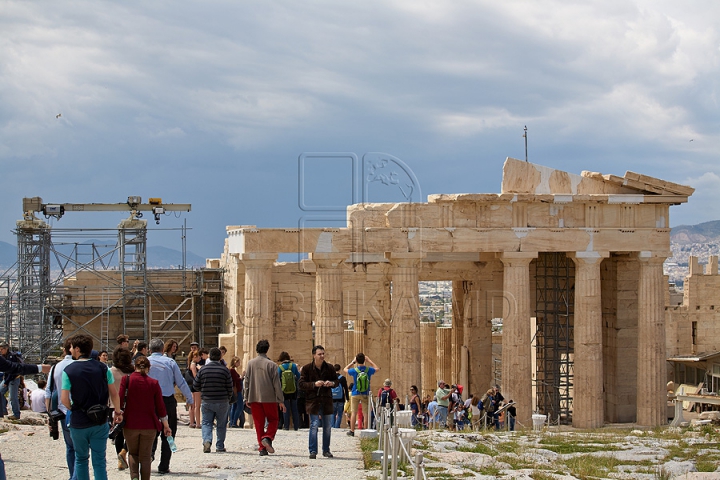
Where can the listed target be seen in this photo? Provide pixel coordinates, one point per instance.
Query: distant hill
(700, 233)
(8, 255)
(157, 256)
(163, 257)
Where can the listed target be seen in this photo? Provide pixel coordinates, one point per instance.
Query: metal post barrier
(385, 446)
(395, 451)
(418, 465)
(380, 424)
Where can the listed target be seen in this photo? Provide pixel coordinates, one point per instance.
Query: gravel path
(29, 452)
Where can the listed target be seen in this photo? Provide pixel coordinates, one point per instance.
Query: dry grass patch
(369, 445)
(477, 448)
(564, 445)
(591, 466)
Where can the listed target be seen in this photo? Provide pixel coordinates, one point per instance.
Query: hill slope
(700, 233)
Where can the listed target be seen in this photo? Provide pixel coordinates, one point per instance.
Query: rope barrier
(389, 441)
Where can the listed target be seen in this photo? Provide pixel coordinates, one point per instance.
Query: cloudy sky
(216, 103)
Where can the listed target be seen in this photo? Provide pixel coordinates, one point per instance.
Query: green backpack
(362, 383)
(287, 379)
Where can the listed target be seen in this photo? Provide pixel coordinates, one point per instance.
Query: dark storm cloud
(211, 103)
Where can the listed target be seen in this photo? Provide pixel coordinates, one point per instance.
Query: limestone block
(668, 187)
(694, 266)
(524, 177)
(712, 266)
(227, 340)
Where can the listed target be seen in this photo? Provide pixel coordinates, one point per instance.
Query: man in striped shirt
(215, 385)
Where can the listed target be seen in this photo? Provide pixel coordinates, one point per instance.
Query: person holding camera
(443, 395)
(57, 412)
(361, 375)
(10, 383)
(90, 384)
(14, 368)
(317, 379)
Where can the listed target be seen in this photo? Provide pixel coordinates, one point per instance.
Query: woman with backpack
(289, 377)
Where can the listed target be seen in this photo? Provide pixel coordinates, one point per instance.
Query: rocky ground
(689, 453)
(564, 453)
(29, 452)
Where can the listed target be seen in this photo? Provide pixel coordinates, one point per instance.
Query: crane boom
(134, 205)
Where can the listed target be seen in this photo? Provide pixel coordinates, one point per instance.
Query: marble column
(651, 391)
(258, 317)
(358, 339)
(404, 322)
(443, 366)
(478, 338)
(459, 296)
(588, 399)
(516, 356)
(328, 305)
(428, 358)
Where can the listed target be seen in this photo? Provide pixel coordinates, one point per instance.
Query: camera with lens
(55, 416)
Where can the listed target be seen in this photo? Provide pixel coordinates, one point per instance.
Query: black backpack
(385, 398)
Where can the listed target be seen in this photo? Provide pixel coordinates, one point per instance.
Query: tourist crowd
(133, 402)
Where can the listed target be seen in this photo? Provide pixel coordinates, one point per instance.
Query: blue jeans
(291, 408)
(12, 386)
(237, 414)
(69, 448)
(338, 412)
(442, 413)
(211, 412)
(327, 429)
(86, 441)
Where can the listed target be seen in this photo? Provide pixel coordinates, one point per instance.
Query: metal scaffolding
(95, 281)
(35, 330)
(555, 300)
(132, 243)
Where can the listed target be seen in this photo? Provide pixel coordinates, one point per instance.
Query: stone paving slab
(29, 452)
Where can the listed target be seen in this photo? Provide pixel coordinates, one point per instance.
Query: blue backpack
(337, 392)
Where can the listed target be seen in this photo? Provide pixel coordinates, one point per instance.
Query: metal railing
(390, 442)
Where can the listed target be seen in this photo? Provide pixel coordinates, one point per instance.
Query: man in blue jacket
(14, 368)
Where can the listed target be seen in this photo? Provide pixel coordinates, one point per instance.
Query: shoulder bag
(116, 428)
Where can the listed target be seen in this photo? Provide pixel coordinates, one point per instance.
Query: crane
(40, 313)
(134, 205)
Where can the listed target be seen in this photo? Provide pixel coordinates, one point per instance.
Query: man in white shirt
(37, 397)
(53, 389)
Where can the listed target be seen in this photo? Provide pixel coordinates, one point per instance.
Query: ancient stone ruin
(572, 264)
